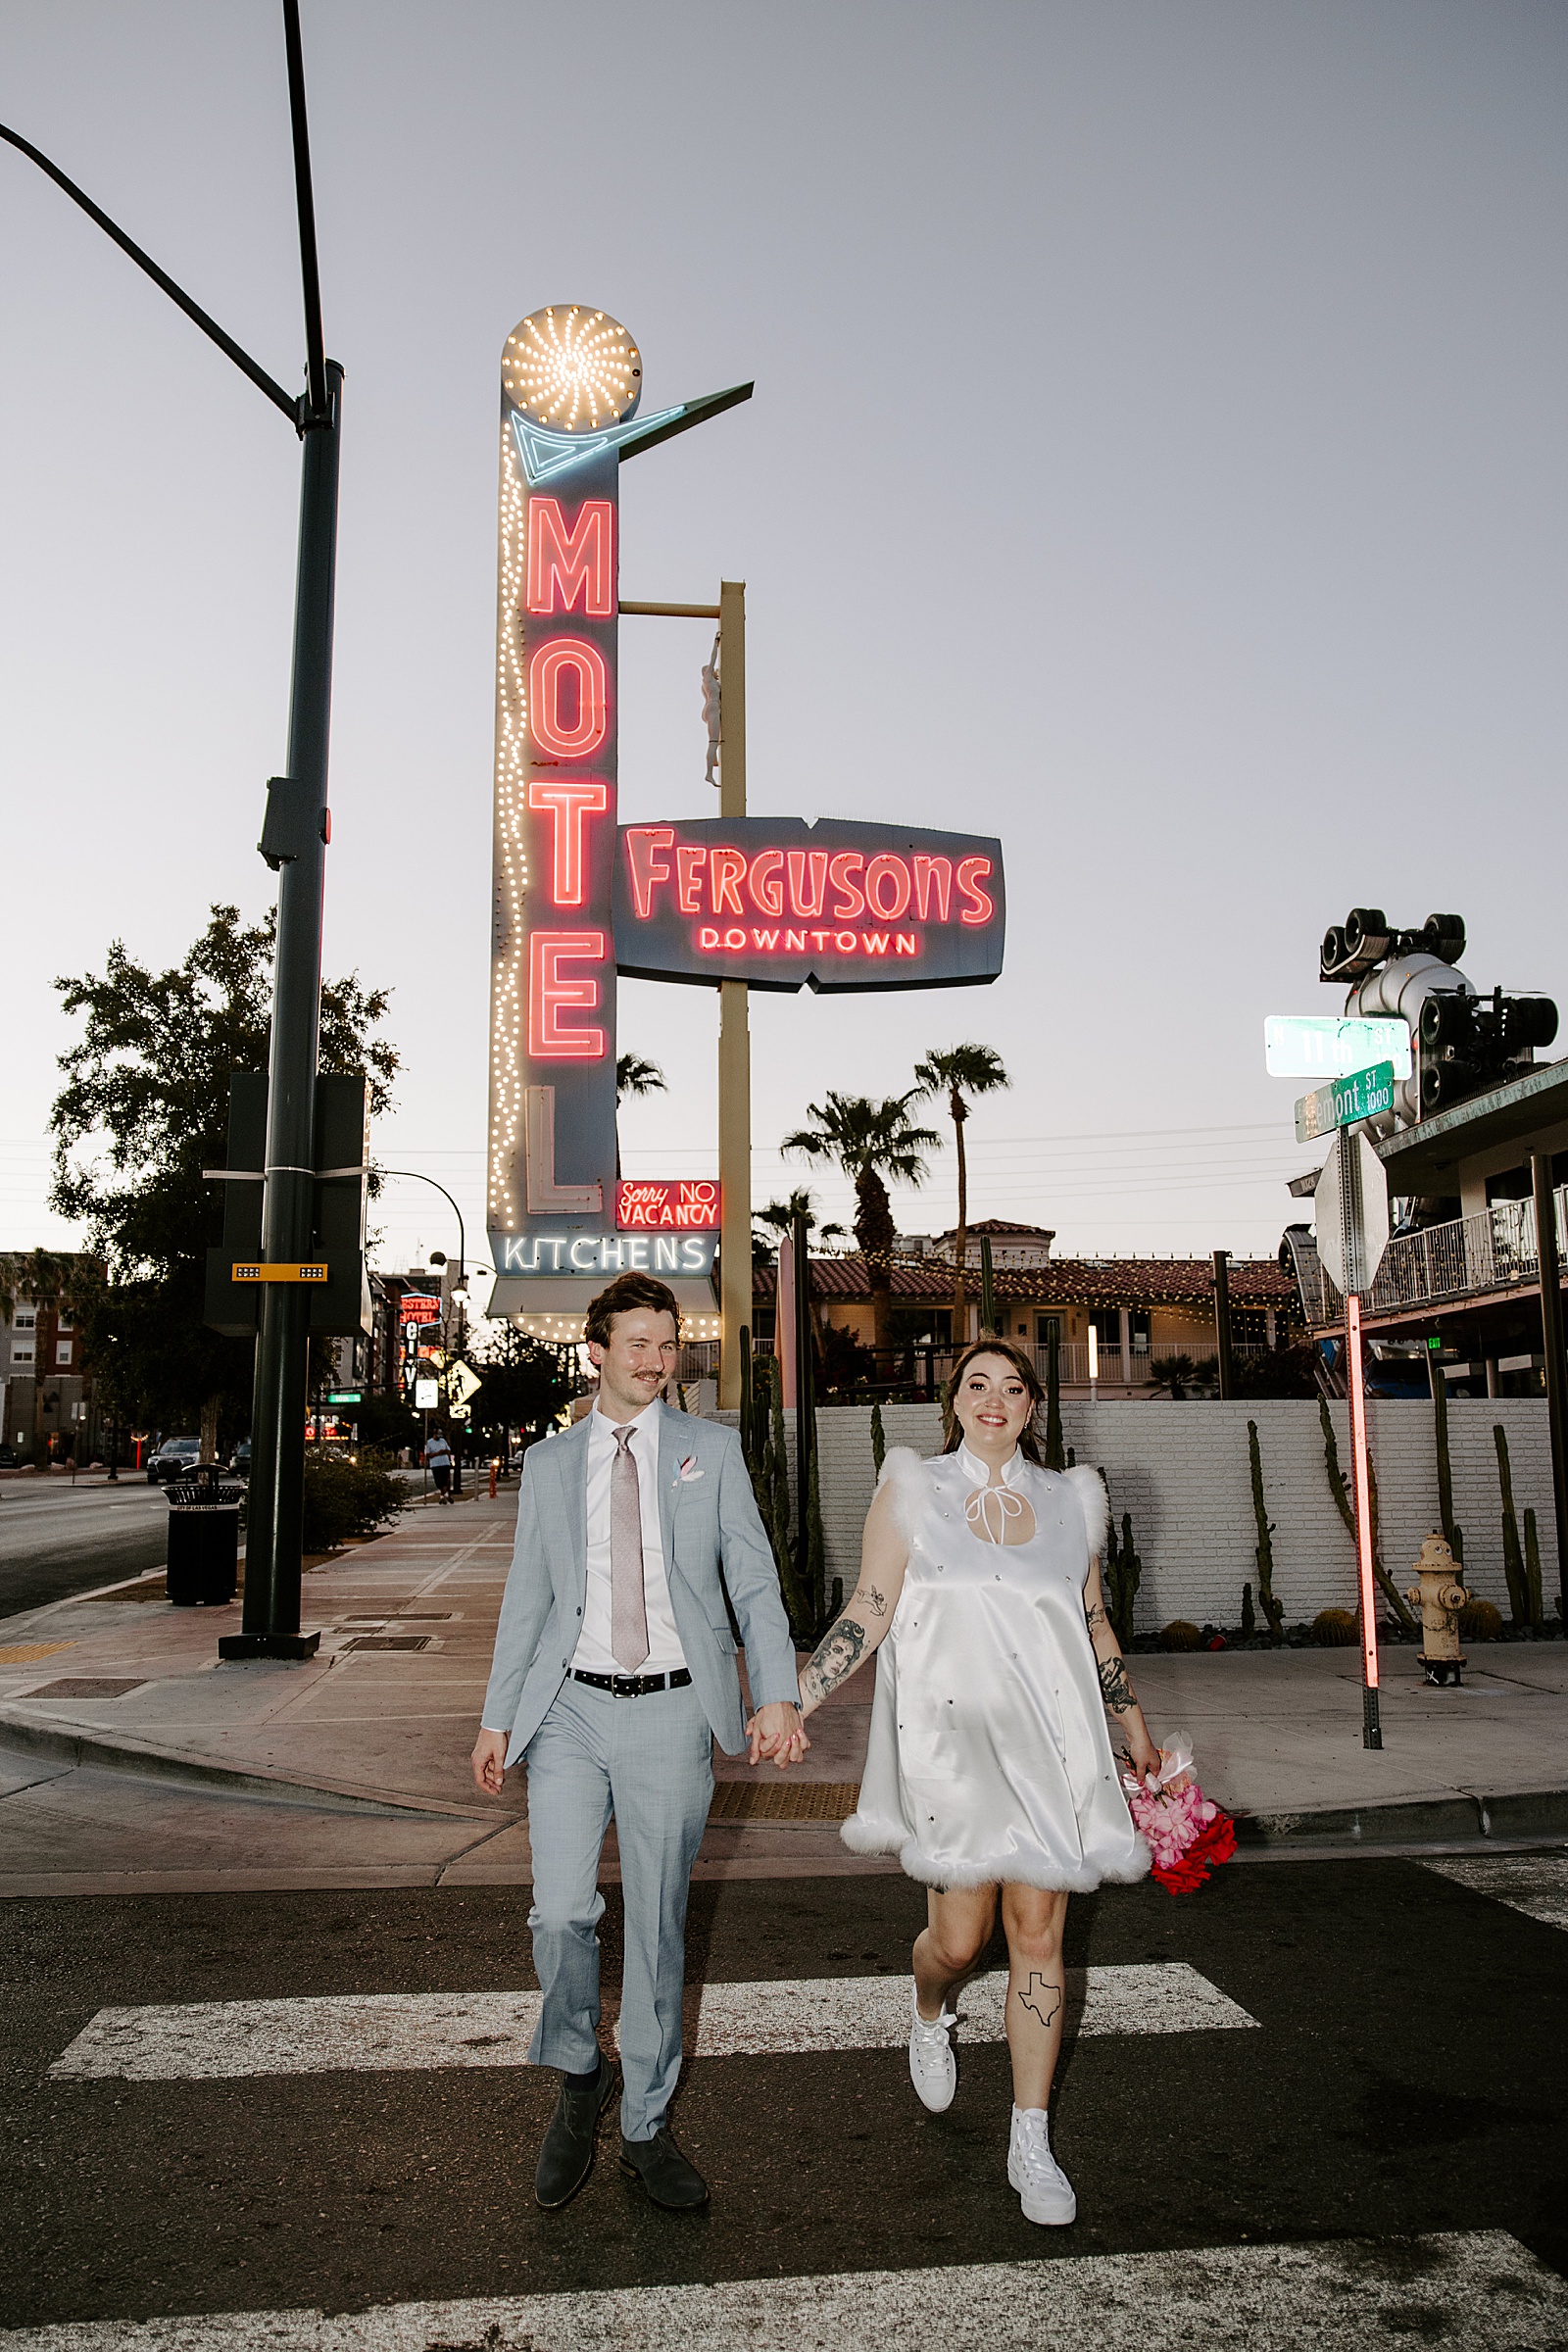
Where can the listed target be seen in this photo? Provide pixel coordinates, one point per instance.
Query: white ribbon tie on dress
(628, 1604)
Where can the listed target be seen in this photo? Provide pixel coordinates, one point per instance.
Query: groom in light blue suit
(615, 1670)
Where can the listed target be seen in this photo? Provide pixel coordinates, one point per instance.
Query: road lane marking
(1534, 1883)
(1472, 2291)
(205, 2040)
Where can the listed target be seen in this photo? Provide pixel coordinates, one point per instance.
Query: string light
(572, 369)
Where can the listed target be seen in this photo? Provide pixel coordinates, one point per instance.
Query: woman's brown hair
(953, 1435)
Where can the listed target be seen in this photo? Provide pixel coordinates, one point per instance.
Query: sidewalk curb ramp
(1525, 1813)
(76, 1745)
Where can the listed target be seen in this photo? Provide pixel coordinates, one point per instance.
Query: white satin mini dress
(989, 1759)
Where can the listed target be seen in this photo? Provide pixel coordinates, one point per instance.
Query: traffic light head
(1365, 938)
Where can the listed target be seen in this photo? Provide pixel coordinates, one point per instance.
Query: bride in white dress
(990, 1771)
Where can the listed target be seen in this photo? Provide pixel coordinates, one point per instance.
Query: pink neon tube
(1363, 1509)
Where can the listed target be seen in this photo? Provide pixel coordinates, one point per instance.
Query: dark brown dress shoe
(663, 2172)
(567, 2156)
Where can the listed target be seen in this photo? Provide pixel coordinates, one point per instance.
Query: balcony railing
(1492, 1251)
(926, 1369)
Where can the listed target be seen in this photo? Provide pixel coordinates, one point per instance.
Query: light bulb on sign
(572, 370)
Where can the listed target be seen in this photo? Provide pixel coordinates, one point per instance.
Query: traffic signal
(1468, 1042)
(1366, 938)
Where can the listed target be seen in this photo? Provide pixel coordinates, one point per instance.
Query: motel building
(1459, 1281)
(1139, 1309)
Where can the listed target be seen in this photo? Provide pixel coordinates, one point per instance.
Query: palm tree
(634, 1076)
(957, 1072)
(781, 1215)
(870, 1140)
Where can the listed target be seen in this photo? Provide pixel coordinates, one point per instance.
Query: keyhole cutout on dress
(999, 1515)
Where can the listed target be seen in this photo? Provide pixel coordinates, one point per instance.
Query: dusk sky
(1156, 459)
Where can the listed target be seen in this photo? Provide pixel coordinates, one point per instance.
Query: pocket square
(691, 1468)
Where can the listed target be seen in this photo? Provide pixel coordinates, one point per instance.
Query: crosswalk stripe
(1534, 1883)
(197, 2041)
(1477, 2291)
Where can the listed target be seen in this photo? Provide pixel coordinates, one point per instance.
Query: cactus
(1454, 1533)
(817, 1550)
(1249, 1613)
(1339, 1486)
(771, 1483)
(1125, 1573)
(1072, 1458)
(1273, 1610)
(879, 1442)
(747, 1446)
(1055, 1453)
(1513, 1559)
(1538, 1614)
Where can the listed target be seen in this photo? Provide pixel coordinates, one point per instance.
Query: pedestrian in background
(438, 1461)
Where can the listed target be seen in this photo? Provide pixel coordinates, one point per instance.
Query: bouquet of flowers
(1185, 1830)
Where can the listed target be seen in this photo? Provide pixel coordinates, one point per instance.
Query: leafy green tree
(959, 1071)
(872, 1143)
(526, 1382)
(143, 1109)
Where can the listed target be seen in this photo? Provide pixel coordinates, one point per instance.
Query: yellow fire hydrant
(1442, 1596)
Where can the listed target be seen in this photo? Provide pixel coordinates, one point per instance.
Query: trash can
(203, 1538)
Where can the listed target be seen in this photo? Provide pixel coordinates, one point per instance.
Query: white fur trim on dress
(863, 1833)
(1090, 1489)
(901, 1470)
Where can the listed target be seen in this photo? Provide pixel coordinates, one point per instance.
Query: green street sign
(1363, 1095)
(345, 1395)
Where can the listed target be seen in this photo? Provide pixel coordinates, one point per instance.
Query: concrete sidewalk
(130, 1757)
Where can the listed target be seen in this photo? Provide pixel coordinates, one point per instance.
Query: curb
(75, 1745)
(1529, 1813)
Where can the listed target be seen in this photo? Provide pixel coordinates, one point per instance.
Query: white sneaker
(1044, 2188)
(933, 2069)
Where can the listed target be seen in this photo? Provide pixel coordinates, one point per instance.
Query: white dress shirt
(593, 1653)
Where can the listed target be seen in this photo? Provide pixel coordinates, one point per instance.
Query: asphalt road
(1407, 2079)
(55, 1539)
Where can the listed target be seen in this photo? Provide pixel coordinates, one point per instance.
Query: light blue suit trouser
(650, 1763)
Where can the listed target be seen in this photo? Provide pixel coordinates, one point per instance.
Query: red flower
(1214, 1844)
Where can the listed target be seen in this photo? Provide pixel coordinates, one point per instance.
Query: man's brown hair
(624, 1295)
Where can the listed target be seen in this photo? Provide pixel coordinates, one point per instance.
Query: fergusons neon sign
(775, 902)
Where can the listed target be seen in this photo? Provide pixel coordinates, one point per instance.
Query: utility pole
(1546, 1260)
(1222, 1320)
(734, 1027)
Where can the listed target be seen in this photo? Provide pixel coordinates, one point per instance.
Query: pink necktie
(628, 1607)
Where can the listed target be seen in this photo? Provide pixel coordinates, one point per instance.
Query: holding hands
(775, 1732)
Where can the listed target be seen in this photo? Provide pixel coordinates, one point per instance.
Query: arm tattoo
(1041, 1996)
(834, 1661)
(1094, 1615)
(875, 1603)
(1116, 1689)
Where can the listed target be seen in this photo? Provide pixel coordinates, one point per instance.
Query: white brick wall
(1182, 1471)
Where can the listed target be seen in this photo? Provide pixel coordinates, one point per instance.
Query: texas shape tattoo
(1115, 1688)
(1041, 1997)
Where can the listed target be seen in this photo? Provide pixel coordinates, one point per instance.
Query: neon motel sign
(772, 901)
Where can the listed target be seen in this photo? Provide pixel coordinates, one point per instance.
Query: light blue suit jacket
(714, 1540)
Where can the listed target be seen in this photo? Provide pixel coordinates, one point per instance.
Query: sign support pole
(734, 1024)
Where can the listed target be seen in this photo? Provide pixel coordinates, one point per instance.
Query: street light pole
(275, 1514)
(273, 1547)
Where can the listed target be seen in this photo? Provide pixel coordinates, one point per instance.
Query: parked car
(8, 1460)
(242, 1458)
(176, 1457)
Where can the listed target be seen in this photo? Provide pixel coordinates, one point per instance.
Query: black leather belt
(635, 1685)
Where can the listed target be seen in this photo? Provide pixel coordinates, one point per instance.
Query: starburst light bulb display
(572, 370)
